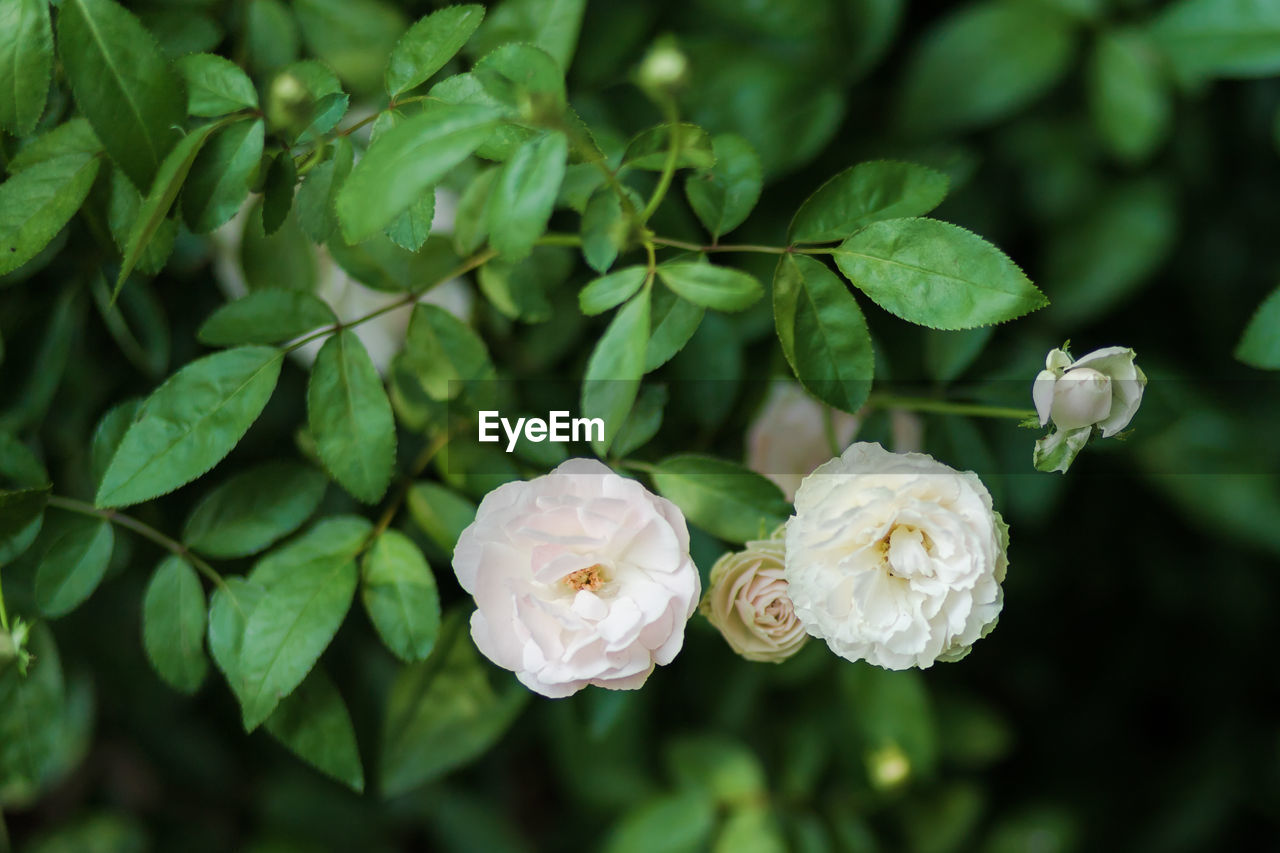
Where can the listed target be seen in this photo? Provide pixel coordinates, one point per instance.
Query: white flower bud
(1102, 389)
(747, 602)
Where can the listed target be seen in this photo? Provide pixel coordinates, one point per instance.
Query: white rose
(895, 558)
(788, 438)
(382, 336)
(748, 603)
(1101, 390)
(580, 577)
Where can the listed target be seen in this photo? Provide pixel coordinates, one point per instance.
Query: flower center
(591, 578)
(903, 550)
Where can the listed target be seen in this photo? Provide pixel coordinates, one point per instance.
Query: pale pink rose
(788, 438)
(748, 603)
(580, 577)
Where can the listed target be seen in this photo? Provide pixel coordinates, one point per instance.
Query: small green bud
(289, 101)
(664, 68)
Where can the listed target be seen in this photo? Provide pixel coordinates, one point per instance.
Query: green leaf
(215, 85)
(284, 260)
(277, 192)
(232, 604)
(313, 723)
(673, 322)
(948, 354)
(108, 434)
(353, 37)
(823, 333)
(751, 829)
(519, 289)
(411, 229)
(124, 205)
(36, 202)
(723, 767)
(887, 708)
(122, 83)
(381, 264)
(721, 288)
(444, 352)
(266, 317)
(470, 223)
(522, 198)
(1219, 38)
(271, 35)
(308, 586)
(400, 595)
(350, 417)
(252, 510)
(611, 290)
(1128, 96)
(190, 423)
(605, 229)
(1104, 256)
(866, 193)
(515, 76)
(440, 513)
(319, 191)
(173, 625)
(429, 44)
(73, 136)
(1260, 344)
(722, 497)
(724, 195)
(34, 731)
(222, 174)
(936, 274)
(649, 148)
(983, 62)
(73, 563)
(155, 207)
(552, 25)
(407, 161)
(443, 712)
(679, 822)
(18, 509)
(26, 50)
(615, 368)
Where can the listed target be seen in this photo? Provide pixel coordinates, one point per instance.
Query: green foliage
(26, 47)
(173, 625)
(306, 589)
(617, 363)
(350, 418)
(822, 332)
(407, 162)
(122, 84)
(936, 274)
(189, 424)
(722, 497)
(724, 195)
(443, 712)
(982, 62)
(313, 722)
(866, 193)
(428, 45)
(1260, 344)
(215, 86)
(250, 511)
(399, 593)
(37, 202)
